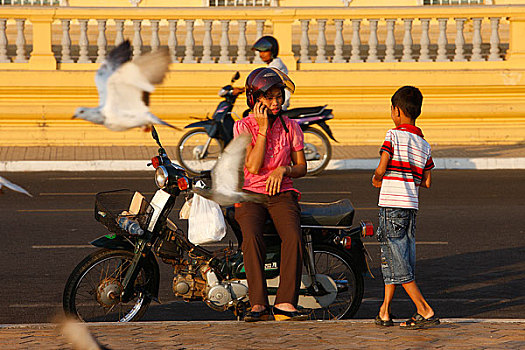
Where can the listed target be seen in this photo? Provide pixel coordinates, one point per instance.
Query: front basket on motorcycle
(112, 205)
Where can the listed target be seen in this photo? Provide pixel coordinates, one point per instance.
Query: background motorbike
(119, 281)
(199, 148)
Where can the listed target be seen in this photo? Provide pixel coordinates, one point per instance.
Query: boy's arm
(377, 179)
(427, 179)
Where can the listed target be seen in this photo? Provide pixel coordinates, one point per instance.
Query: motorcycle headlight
(161, 176)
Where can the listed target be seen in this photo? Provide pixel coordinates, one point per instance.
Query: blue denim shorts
(397, 237)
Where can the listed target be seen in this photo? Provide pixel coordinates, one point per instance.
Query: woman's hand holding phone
(261, 116)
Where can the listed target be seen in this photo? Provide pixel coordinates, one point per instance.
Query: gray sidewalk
(134, 158)
(85, 153)
(348, 334)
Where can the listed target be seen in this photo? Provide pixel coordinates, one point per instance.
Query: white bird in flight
(124, 87)
(227, 176)
(6, 183)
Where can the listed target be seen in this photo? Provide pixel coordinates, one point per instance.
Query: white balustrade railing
(218, 3)
(337, 37)
(34, 2)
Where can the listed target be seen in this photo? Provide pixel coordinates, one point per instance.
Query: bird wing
(128, 90)
(154, 65)
(116, 57)
(125, 107)
(12, 186)
(228, 173)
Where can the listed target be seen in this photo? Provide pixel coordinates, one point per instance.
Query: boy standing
(404, 167)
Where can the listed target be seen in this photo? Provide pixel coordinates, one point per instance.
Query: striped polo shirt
(409, 157)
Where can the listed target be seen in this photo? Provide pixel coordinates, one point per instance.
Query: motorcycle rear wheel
(196, 151)
(317, 150)
(92, 291)
(350, 284)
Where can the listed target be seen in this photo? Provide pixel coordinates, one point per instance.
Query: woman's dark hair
(408, 99)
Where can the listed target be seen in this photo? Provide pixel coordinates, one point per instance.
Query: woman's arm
(298, 169)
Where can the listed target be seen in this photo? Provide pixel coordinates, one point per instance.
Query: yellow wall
(282, 3)
(465, 102)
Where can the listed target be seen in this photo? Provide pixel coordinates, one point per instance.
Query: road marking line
(51, 210)
(417, 243)
(75, 193)
(65, 246)
(102, 178)
(223, 245)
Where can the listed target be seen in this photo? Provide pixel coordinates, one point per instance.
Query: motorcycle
(119, 281)
(199, 148)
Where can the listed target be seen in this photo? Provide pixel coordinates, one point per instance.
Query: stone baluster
(321, 41)
(476, 40)
(390, 41)
(305, 42)
(83, 42)
(407, 41)
(442, 41)
(424, 42)
(460, 40)
(155, 41)
(241, 43)
(355, 56)
(494, 39)
(3, 42)
(101, 41)
(137, 38)
(372, 41)
(66, 42)
(259, 24)
(172, 40)
(225, 42)
(207, 42)
(189, 43)
(119, 29)
(339, 41)
(20, 41)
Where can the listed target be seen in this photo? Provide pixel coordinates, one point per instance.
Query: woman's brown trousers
(285, 212)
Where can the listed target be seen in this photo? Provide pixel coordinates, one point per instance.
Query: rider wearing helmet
(268, 49)
(273, 158)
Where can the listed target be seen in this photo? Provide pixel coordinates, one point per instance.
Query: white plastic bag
(184, 213)
(206, 222)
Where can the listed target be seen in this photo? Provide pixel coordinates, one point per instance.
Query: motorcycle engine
(191, 282)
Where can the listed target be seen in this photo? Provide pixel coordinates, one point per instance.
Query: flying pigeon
(124, 87)
(227, 176)
(12, 186)
(79, 335)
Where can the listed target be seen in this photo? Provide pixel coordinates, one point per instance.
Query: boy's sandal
(383, 323)
(417, 322)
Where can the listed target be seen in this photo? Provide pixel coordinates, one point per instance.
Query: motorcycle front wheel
(196, 151)
(92, 292)
(317, 151)
(349, 284)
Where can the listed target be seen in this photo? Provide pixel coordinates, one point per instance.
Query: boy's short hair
(408, 99)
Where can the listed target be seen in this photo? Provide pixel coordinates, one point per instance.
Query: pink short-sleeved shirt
(279, 147)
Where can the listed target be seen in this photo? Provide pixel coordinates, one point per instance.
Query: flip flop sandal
(382, 323)
(418, 322)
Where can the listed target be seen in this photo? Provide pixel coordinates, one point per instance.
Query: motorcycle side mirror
(235, 77)
(155, 136)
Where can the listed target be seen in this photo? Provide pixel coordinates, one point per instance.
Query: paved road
(470, 234)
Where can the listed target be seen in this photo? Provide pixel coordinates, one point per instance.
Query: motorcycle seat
(340, 213)
(295, 113)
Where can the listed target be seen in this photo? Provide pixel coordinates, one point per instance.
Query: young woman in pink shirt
(273, 158)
